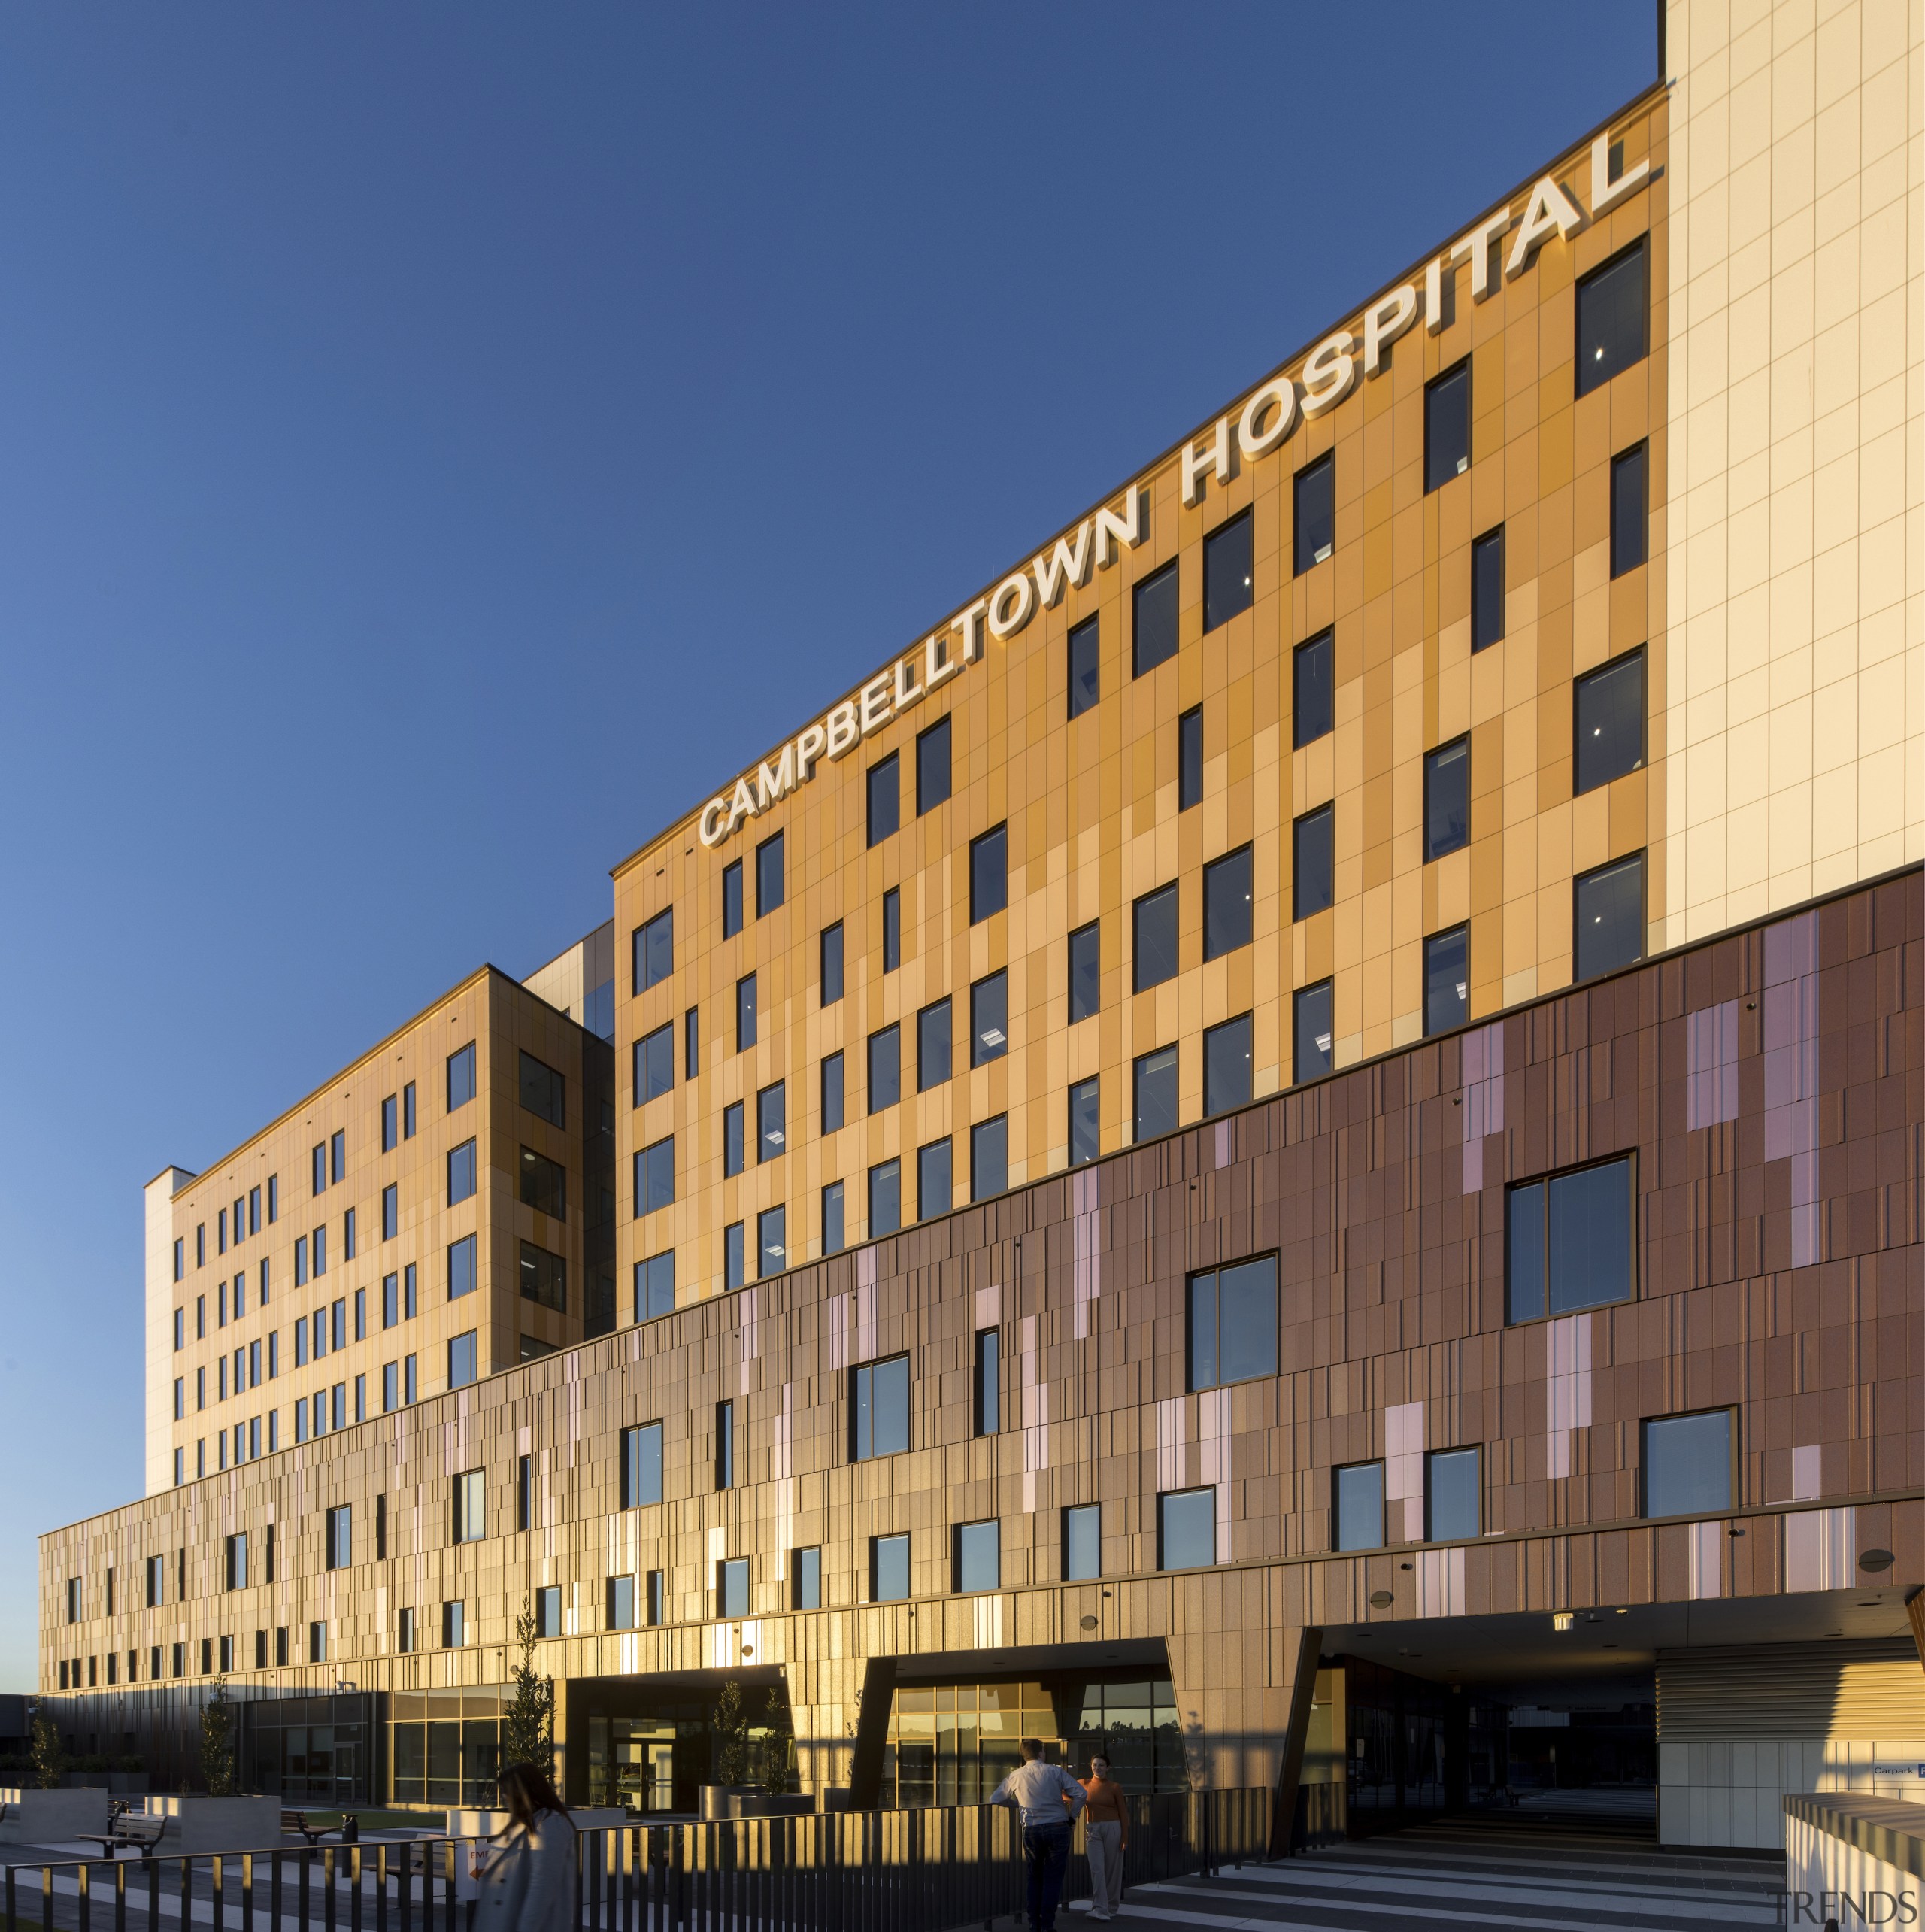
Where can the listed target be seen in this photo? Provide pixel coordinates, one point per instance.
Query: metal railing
(936, 1869)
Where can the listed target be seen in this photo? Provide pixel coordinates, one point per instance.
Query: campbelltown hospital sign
(1326, 375)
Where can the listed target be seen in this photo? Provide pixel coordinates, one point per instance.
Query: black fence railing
(938, 1869)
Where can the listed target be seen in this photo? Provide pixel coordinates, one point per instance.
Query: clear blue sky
(431, 436)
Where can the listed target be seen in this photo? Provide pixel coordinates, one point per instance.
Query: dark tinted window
(655, 1286)
(1447, 799)
(1226, 890)
(544, 1091)
(1154, 630)
(892, 929)
(1446, 980)
(1085, 668)
(731, 1138)
(1313, 702)
(771, 1121)
(1610, 318)
(745, 1012)
(1687, 1465)
(989, 1158)
(1487, 590)
(692, 1043)
(1156, 1094)
(1186, 1529)
(1233, 1323)
(989, 873)
(461, 1091)
(934, 1059)
(544, 1184)
(1610, 916)
(832, 1093)
(1315, 843)
(1568, 1243)
(1085, 980)
(885, 1069)
(832, 963)
(771, 1242)
(1316, 514)
(654, 950)
(885, 800)
(655, 1176)
(1156, 937)
(769, 879)
(460, 1185)
(1226, 572)
(831, 1218)
(1627, 511)
(934, 1193)
(1452, 1496)
(1189, 758)
(1359, 1506)
(655, 1064)
(735, 1255)
(1447, 427)
(731, 898)
(989, 1019)
(1085, 1123)
(885, 1198)
(641, 1466)
(1608, 722)
(1314, 1031)
(932, 766)
(1226, 1065)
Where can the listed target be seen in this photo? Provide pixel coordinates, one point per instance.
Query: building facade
(1293, 1143)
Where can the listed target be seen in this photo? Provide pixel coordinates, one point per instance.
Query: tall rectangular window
(1607, 721)
(885, 799)
(461, 1177)
(340, 1536)
(885, 1068)
(347, 1233)
(732, 1586)
(1314, 1031)
(934, 1057)
(989, 1158)
(692, 1043)
(1627, 511)
(879, 1409)
(770, 884)
(1487, 590)
(832, 1093)
(745, 1012)
(1156, 1094)
(1086, 978)
(1315, 534)
(408, 1121)
(462, 1369)
(735, 1255)
(1153, 619)
(1313, 844)
(654, 949)
(1189, 758)
(317, 1161)
(892, 929)
(731, 898)
(657, 1591)
(1359, 1498)
(544, 1091)
(1085, 668)
(548, 1610)
(1226, 1065)
(1687, 1464)
(935, 1193)
(1446, 980)
(724, 1445)
(1447, 426)
(1452, 1496)
(390, 1387)
(989, 1381)
(885, 1198)
(771, 1242)
(390, 1211)
(461, 1076)
(655, 1064)
(468, 1499)
(771, 1122)
(454, 1624)
(833, 1239)
(1186, 1529)
(1154, 922)
(1568, 1241)
(317, 1245)
(732, 1151)
(1609, 906)
(831, 972)
(1233, 1323)
(989, 873)
(1227, 887)
(889, 1568)
(1228, 571)
(932, 767)
(1447, 799)
(655, 1286)
(390, 1300)
(806, 1579)
(337, 1156)
(640, 1477)
(1610, 318)
(544, 1277)
(978, 1557)
(1082, 1542)
(618, 1603)
(989, 1019)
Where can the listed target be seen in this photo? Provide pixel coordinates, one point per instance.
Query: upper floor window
(1315, 1034)
(1233, 1323)
(771, 1242)
(989, 873)
(879, 1409)
(1608, 907)
(1568, 1241)
(832, 1092)
(1156, 934)
(771, 1121)
(1082, 1542)
(340, 1536)
(407, 1112)
(769, 882)
(544, 1184)
(885, 800)
(461, 1076)
(1153, 619)
(1628, 511)
(1686, 1464)
(317, 1161)
(655, 1175)
(1610, 318)
(653, 946)
(460, 1176)
(337, 1155)
(390, 1125)
(832, 963)
(1186, 1529)
(989, 1158)
(641, 1465)
(731, 898)
(1227, 887)
(462, 1361)
(180, 1259)
(462, 1278)
(1155, 1080)
(655, 1064)
(745, 1012)
(1085, 668)
(1086, 977)
(1487, 590)
(1446, 980)
(1447, 426)
(732, 1136)
(932, 767)
(1452, 1496)
(1359, 1497)
(1315, 490)
(469, 1506)
(1607, 721)
(934, 1057)
(655, 1286)
(1228, 571)
(1226, 1065)
(1447, 799)
(989, 1019)
(1314, 849)
(885, 1198)
(892, 929)
(544, 1091)
(978, 1557)
(692, 1043)
(885, 1068)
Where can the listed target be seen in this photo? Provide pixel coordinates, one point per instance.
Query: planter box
(197, 1825)
(120, 1784)
(51, 1817)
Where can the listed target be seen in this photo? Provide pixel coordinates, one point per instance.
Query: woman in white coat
(527, 1884)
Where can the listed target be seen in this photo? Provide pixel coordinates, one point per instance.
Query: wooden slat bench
(134, 1828)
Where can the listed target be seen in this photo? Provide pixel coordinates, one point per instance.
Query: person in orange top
(1106, 1832)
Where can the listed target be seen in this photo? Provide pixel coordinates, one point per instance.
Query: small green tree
(217, 1742)
(48, 1760)
(778, 1743)
(731, 1735)
(528, 1728)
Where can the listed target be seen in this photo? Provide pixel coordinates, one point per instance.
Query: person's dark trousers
(1046, 1848)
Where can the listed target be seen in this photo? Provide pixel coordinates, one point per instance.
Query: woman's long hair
(526, 1793)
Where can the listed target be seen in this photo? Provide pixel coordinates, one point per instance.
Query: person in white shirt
(1040, 1792)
